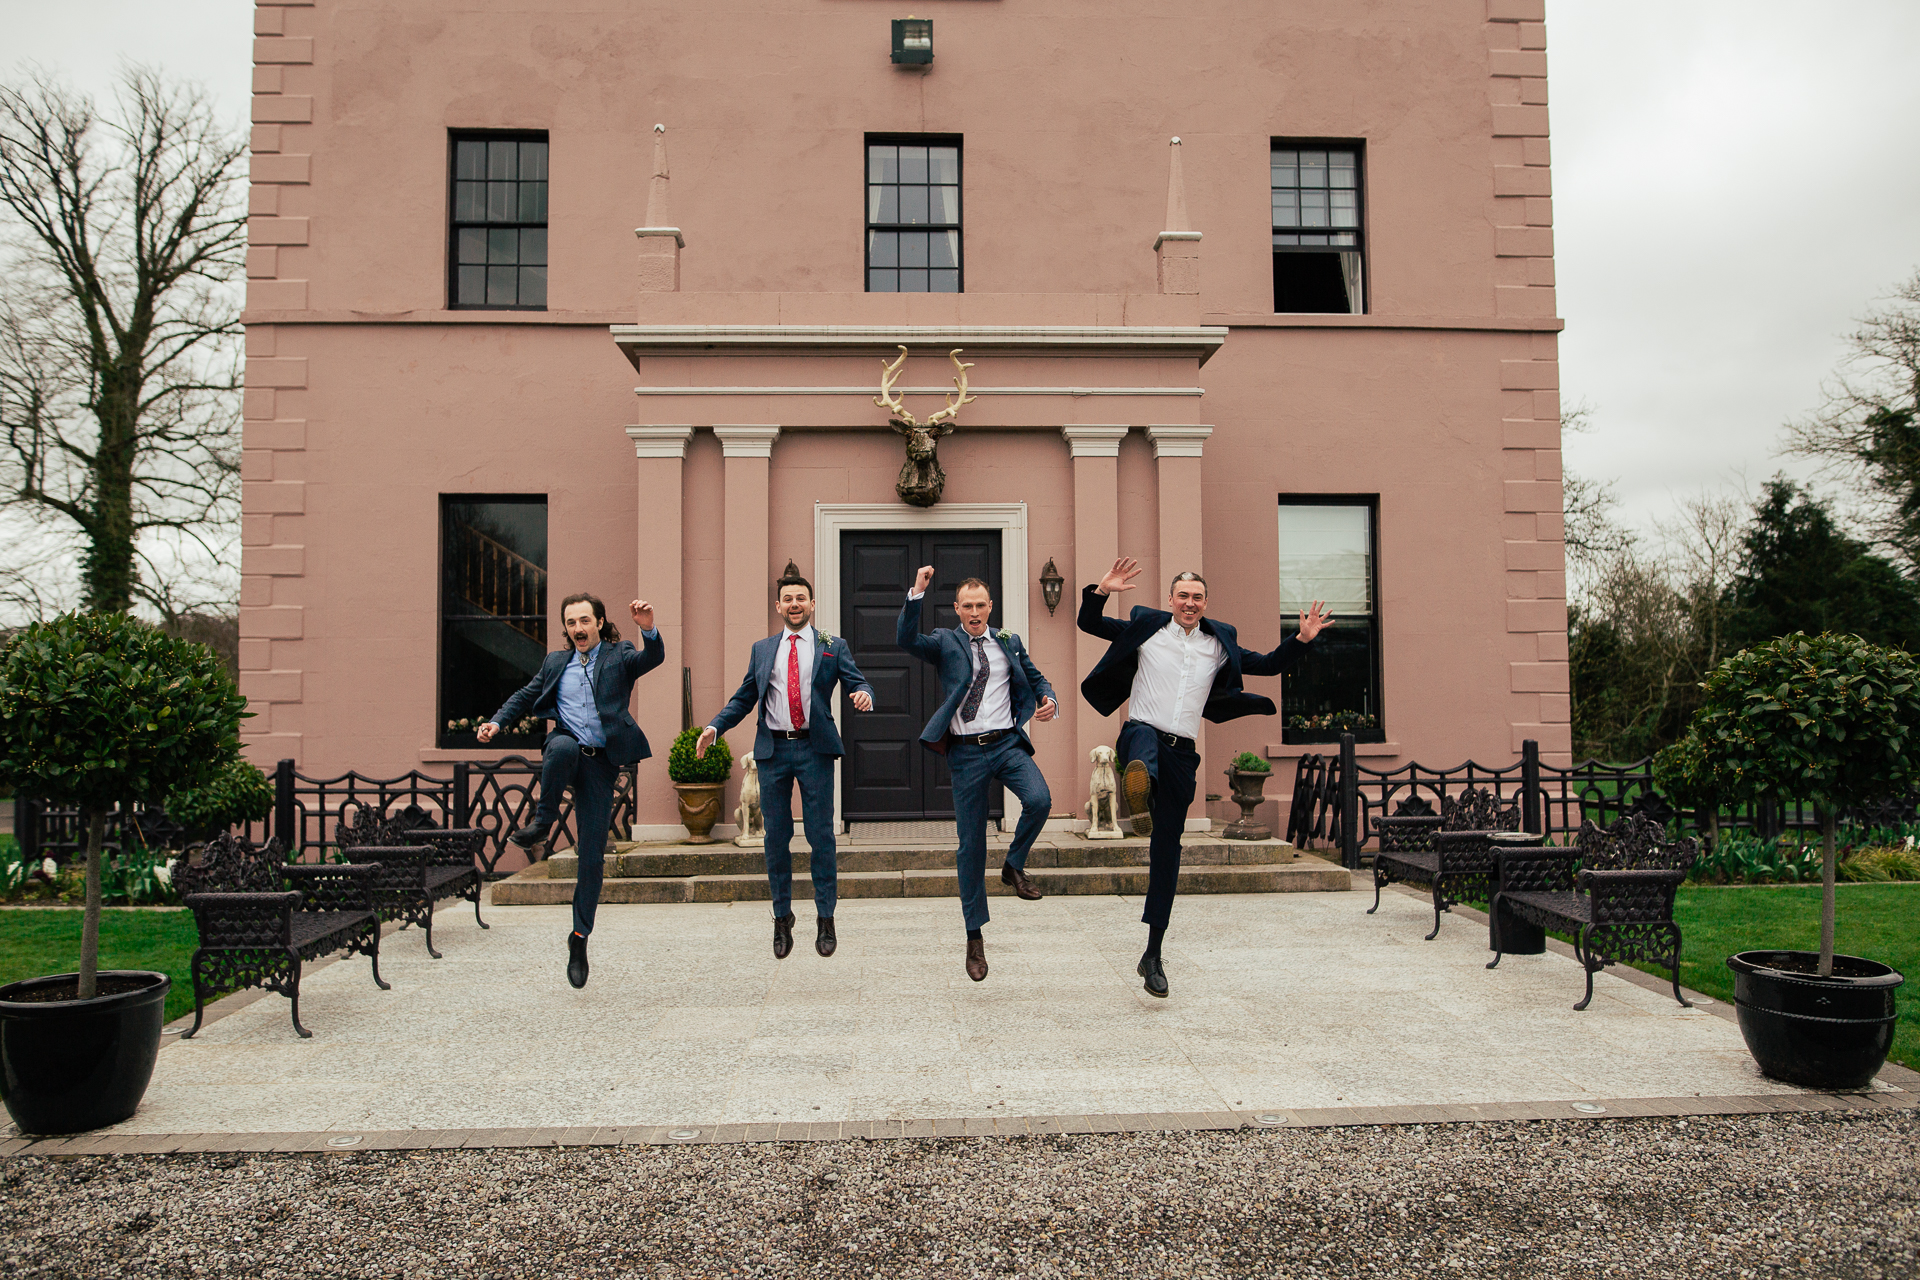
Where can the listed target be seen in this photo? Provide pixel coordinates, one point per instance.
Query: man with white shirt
(991, 689)
(790, 678)
(1177, 667)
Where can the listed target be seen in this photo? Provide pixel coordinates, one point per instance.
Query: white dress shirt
(1175, 674)
(996, 700)
(776, 703)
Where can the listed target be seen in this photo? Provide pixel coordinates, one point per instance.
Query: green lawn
(40, 940)
(1878, 921)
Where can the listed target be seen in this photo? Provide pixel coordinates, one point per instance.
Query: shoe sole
(1138, 785)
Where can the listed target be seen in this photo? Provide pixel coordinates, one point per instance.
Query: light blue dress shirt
(578, 712)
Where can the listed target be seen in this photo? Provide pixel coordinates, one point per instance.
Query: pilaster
(1096, 545)
(660, 454)
(748, 453)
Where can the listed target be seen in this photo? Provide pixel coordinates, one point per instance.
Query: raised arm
(648, 654)
(907, 633)
(1283, 659)
(1093, 615)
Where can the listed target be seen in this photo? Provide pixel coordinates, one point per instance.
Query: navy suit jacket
(619, 665)
(832, 661)
(1110, 683)
(951, 650)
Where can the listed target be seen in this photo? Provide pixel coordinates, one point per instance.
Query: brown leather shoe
(1022, 883)
(1137, 784)
(976, 959)
(825, 942)
(782, 936)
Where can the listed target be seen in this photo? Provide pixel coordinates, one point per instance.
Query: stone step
(1301, 873)
(629, 861)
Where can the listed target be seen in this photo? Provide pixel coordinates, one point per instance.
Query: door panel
(887, 775)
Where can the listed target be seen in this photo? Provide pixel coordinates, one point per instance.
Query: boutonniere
(1003, 635)
(826, 641)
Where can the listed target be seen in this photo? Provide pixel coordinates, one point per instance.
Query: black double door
(887, 775)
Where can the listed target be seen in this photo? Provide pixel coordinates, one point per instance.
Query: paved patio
(1283, 1005)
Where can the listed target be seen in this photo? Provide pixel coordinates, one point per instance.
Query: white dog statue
(753, 823)
(1102, 820)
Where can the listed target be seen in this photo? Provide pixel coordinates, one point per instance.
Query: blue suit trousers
(593, 779)
(795, 760)
(974, 770)
(1173, 770)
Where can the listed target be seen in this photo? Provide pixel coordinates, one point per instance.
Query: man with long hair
(584, 689)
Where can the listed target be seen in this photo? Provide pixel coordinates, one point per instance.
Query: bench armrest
(243, 919)
(1631, 897)
(1535, 870)
(334, 886)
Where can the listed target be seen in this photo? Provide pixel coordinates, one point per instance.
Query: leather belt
(1171, 739)
(591, 751)
(982, 739)
(791, 734)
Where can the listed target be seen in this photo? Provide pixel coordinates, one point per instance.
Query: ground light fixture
(912, 41)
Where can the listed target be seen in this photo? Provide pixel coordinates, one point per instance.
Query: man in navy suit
(790, 678)
(1176, 666)
(584, 689)
(991, 690)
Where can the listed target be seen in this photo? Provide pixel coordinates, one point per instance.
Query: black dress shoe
(576, 960)
(824, 942)
(1137, 783)
(782, 936)
(529, 836)
(976, 959)
(1156, 976)
(1022, 883)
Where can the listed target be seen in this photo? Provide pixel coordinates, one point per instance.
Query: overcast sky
(1735, 181)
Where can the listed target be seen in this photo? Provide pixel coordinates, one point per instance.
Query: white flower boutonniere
(1003, 635)
(826, 641)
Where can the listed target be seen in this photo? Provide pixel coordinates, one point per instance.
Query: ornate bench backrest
(1407, 833)
(1478, 809)
(369, 830)
(229, 864)
(1635, 843)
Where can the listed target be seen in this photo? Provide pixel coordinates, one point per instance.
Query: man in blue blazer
(790, 679)
(991, 690)
(584, 689)
(1176, 667)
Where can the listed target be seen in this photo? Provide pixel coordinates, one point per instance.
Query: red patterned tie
(794, 711)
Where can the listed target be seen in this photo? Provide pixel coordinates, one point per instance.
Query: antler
(954, 402)
(887, 399)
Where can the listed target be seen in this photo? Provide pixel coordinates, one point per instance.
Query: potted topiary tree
(1828, 719)
(1247, 776)
(699, 781)
(95, 710)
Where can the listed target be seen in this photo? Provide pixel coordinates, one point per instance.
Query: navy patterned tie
(978, 689)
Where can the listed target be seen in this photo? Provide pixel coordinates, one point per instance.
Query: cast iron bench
(1613, 892)
(1451, 854)
(419, 865)
(256, 930)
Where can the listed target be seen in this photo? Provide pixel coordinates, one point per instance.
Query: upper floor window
(1317, 231)
(913, 216)
(498, 237)
(1327, 551)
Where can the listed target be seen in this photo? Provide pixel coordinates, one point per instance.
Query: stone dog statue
(753, 823)
(1102, 820)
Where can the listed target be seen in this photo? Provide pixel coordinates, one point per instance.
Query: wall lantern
(913, 41)
(1050, 584)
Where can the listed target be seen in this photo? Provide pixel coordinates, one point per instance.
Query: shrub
(684, 766)
(1248, 762)
(238, 793)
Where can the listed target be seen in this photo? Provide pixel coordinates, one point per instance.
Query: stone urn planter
(1819, 1033)
(699, 808)
(69, 1065)
(1249, 792)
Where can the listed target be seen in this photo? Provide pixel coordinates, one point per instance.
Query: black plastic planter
(1820, 1033)
(67, 1066)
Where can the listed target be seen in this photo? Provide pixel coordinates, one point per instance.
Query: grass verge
(42, 940)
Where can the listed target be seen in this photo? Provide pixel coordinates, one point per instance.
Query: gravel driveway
(1822, 1194)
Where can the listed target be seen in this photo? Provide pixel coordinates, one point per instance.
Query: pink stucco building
(472, 389)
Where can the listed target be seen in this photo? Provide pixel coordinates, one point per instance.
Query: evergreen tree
(1802, 573)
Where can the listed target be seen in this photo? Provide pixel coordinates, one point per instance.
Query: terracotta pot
(699, 808)
(1249, 790)
(67, 1066)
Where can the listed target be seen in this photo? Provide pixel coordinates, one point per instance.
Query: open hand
(486, 731)
(923, 579)
(642, 614)
(1121, 576)
(1047, 710)
(862, 700)
(705, 740)
(1313, 621)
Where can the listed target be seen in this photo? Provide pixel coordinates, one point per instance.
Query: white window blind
(1326, 554)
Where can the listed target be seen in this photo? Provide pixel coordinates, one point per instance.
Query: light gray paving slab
(1290, 1003)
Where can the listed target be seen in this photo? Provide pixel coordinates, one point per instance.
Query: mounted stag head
(921, 479)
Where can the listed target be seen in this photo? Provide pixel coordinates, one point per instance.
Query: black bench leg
(477, 889)
(199, 997)
(1436, 912)
(429, 930)
(1586, 957)
(294, 993)
(1684, 1002)
(374, 952)
(1378, 881)
(1493, 932)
